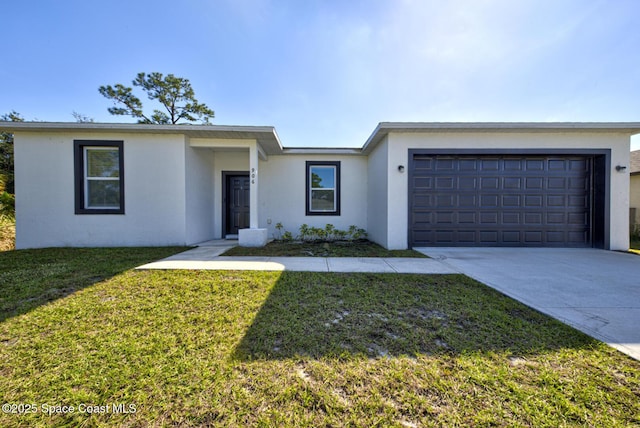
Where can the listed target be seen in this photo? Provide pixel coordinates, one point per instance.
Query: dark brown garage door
(500, 200)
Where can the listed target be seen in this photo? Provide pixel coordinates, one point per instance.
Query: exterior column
(253, 185)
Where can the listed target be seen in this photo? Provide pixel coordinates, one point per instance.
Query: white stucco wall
(378, 193)
(400, 143)
(154, 193)
(282, 192)
(199, 195)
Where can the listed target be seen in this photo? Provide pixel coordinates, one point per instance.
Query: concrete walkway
(595, 291)
(207, 257)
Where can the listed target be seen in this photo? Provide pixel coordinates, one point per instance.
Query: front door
(236, 203)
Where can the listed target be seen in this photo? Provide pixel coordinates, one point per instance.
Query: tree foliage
(81, 118)
(175, 94)
(6, 154)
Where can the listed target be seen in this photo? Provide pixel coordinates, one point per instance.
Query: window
(99, 177)
(323, 188)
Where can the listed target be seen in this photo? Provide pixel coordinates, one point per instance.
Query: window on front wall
(323, 188)
(99, 177)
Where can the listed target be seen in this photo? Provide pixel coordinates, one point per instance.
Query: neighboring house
(634, 193)
(410, 184)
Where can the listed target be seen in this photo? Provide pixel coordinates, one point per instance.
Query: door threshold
(231, 237)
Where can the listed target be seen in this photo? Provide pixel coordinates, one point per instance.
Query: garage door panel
(532, 218)
(501, 200)
(421, 200)
(467, 218)
(444, 183)
(444, 164)
(557, 183)
(489, 164)
(467, 183)
(468, 165)
(467, 201)
(488, 201)
(578, 201)
(488, 237)
(489, 183)
(423, 183)
(421, 217)
(577, 237)
(533, 237)
(445, 201)
(511, 237)
(556, 236)
(579, 218)
(578, 183)
(512, 183)
(534, 165)
(534, 183)
(511, 218)
(513, 164)
(445, 217)
(578, 165)
(556, 218)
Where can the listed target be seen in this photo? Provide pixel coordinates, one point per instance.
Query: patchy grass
(360, 248)
(634, 243)
(7, 233)
(30, 278)
(225, 348)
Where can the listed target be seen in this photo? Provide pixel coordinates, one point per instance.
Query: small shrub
(7, 233)
(7, 205)
(355, 233)
(304, 232)
(278, 233)
(328, 233)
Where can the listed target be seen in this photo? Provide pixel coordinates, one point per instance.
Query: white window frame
(333, 165)
(82, 179)
(88, 178)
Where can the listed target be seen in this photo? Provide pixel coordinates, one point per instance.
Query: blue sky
(324, 73)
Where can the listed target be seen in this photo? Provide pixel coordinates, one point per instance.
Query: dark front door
(236, 203)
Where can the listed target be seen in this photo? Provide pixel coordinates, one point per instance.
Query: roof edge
(384, 128)
(135, 127)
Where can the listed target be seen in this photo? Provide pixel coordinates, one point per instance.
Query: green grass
(635, 243)
(361, 248)
(228, 348)
(30, 278)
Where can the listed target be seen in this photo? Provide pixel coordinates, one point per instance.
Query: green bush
(7, 205)
(328, 233)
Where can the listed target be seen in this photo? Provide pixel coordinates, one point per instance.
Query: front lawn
(359, 248)
(228, 348)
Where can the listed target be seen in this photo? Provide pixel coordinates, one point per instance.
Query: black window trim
(307, 202)
(78, 154)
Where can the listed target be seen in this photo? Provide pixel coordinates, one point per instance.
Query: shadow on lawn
(30, 278)
(384, 315)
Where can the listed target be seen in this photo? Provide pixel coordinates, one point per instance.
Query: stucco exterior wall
(282, 192)
(400, 143)
(154, 193)
(199, 195)
(378, 194)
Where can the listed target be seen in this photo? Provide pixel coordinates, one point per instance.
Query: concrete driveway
(595, 291)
